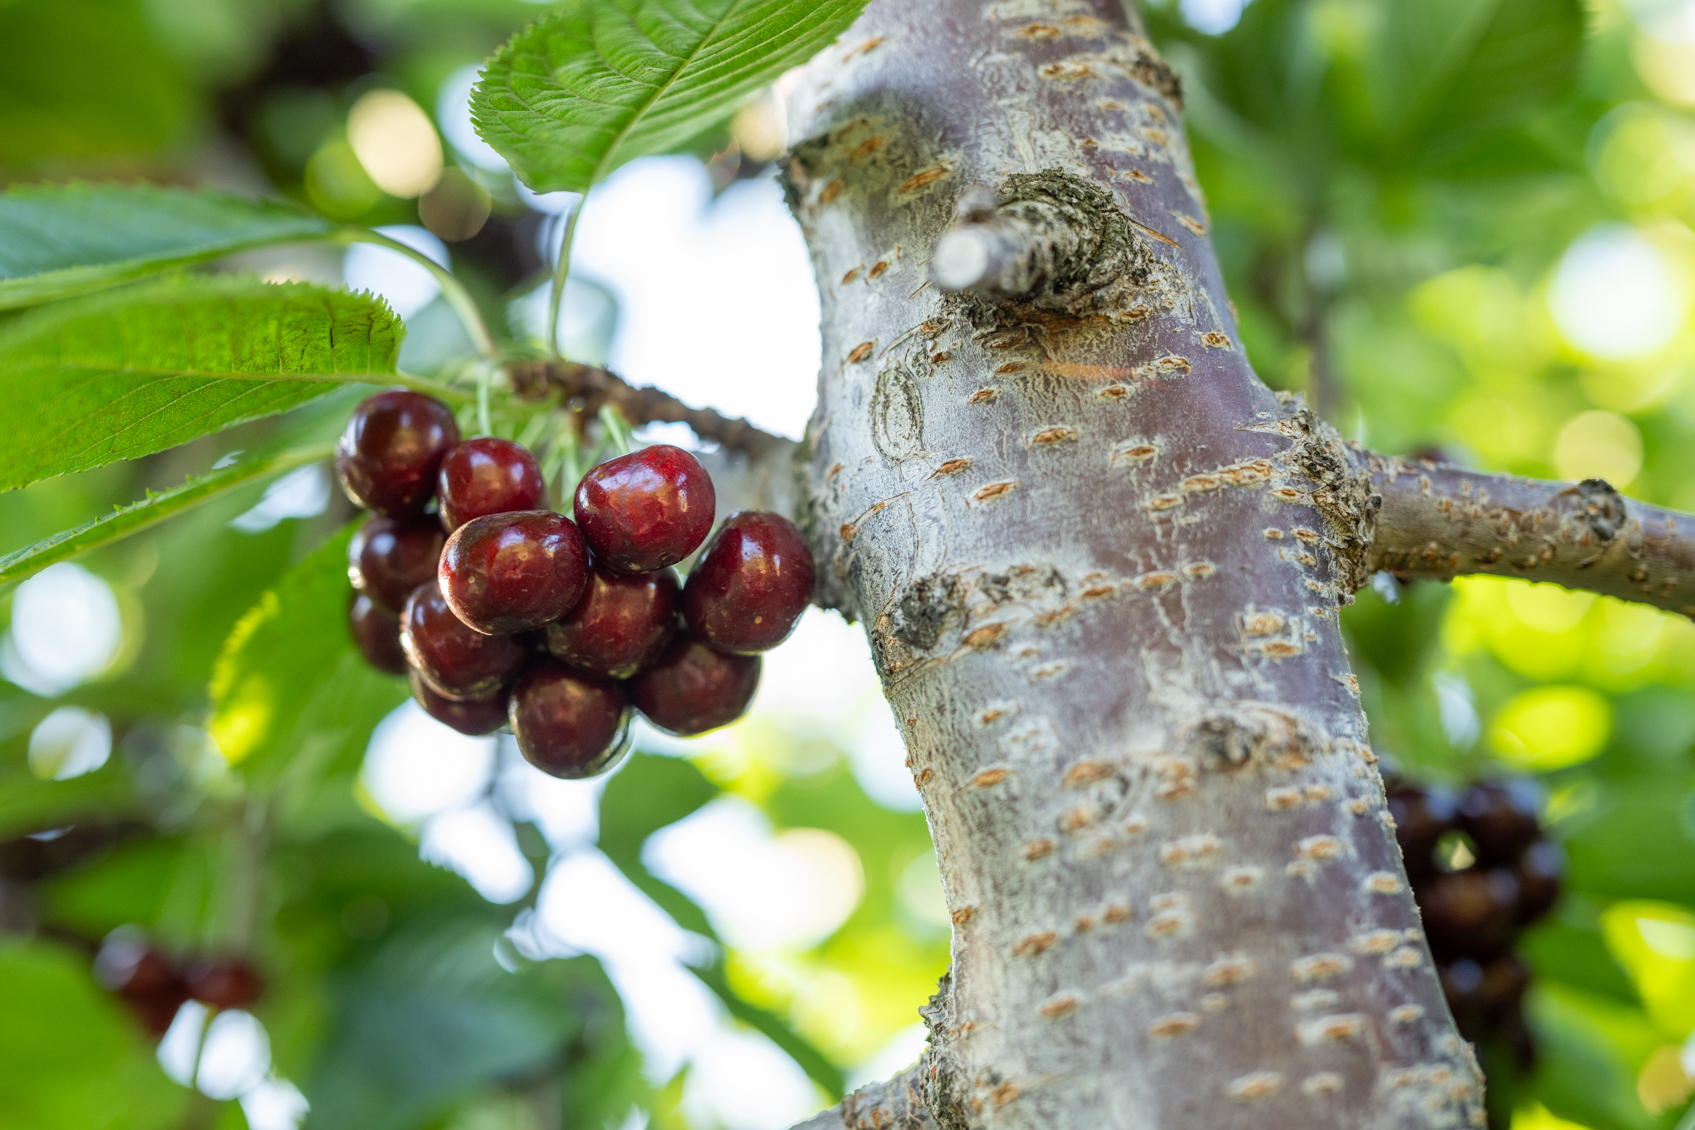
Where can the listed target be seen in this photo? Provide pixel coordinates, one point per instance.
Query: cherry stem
(561, 270)
(484, 426)
(616, 427)
(451, 288)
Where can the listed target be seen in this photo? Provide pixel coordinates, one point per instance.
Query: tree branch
(591, 388)
(896, 1104)
(1439, 521)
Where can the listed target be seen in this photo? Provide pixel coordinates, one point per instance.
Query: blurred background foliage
(1458, 226)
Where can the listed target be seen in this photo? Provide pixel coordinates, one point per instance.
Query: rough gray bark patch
(1100, 566)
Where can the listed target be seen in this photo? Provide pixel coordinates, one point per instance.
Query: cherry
(1540, 871)
(145, 978)
(1471, 912)
(388, 456)
(646, 510)
(504, 573)
(693, 689)
(453, 659)
(568, 723)
(224, 983)
(1500, 817)
(1422, 816)
(377, 632)
(488, 475)
(749, 588)
(473, 716)
(389, 557)
(620, 625)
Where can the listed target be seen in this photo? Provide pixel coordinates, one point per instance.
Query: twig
(590, 389)
(1439, 521)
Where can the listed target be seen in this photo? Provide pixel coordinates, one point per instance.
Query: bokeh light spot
(69, 742)
(395, 142)
(1548, 728)
(66, 629)
(1614, 295)
(1599, 445)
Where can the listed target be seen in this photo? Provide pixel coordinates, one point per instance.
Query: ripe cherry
(1500, 817)
(1422, 816)
(145, 978)
(1540, 871)
(1472, 913)
(693, 689)
(473, 716)
(377, 632)
(505, 573)
(224, 983)
(646, 510)
(453, 659)
(394, 444)
(488, 475)
(568, 723)
(389, 557)
(620, 625)
(749, 588)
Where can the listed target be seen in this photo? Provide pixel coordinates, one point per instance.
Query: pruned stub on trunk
(1100, 566)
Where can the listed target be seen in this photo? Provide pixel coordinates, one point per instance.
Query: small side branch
(591, 388)
(989, 253)
(892, 1105)
(1439, 521)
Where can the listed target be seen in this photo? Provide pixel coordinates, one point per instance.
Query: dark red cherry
(1541, 869)
(146, 979)
(1500, 817)
(620, 625)
(473, 717)
(504, 573)
(394, 444)
(646, 510)
(749, 588)
(224, 983)
(1423, 814)
(487, 475)
(693, 689)
(568, 723)
(1505, 980)
(1462, 985)
(377, 632)
(453, 659)
(389, 557)
(1471, 913)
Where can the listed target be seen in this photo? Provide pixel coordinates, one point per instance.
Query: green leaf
(647, 794)
(84, 78)
(774, 1028)
(601, 82)
(56, 240)
(292, 698)
(74, 1060)
(126, 373)
(429, 1020)
(1447, 71)
(150, 511)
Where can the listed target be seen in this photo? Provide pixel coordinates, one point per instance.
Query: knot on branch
(588, 388)
(1342, 490)
(1602, 507)
(1251, 735)
(1050, 240)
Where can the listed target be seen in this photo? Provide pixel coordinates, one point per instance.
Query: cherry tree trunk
(1100, 565)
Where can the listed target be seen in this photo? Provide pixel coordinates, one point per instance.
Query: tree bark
(1100, 566)
(1439, 521)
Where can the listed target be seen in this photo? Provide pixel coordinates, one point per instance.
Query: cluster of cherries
(503, 612)
(154, 985)
(1481, 872)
